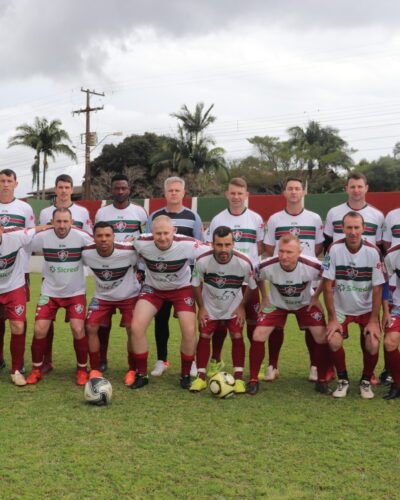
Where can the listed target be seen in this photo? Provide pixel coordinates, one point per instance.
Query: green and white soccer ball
(98, 391)
(222, 385)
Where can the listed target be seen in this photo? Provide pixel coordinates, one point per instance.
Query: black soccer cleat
(22, 370)
(385, 378)
(140, 381)
(2, 364)
(323, 388)
(252, 387)
(186, 381)
(103, 366)
(393, 393)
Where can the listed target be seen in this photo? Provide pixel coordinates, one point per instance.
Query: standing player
(64, 285)
(353, 278)
(248, 232)
(63, 189)
(127, 219)
(166, 256)
(217, 282)
(307, 226)
(290, 276)
(187, 223)
(19, 214)
(116, 287)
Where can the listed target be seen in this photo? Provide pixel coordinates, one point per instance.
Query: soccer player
(290, 276)
(353, 277)
(64, 285)
(187, 223)
(63, 189)
(166, 256)
(19, 214)
(307, 226)
(248, 233)
(127, 218)
(116, 287)
(217, 282)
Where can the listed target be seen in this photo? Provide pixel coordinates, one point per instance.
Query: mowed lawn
(288, 442)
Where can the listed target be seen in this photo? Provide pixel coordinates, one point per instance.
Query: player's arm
(260, 247)
(333, 324)
(314, 301)
(318, 249)
(269, 250)
(202, 314)
(373, 327)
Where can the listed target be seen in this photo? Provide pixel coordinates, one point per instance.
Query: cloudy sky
(265, 65)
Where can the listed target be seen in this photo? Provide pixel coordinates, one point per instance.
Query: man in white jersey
(168, 275)
(63, 189)
(248, 232)
(353, 277)
(217, 282)
(19, 214)
(127, 218)
(116, 287)
(307, 226)
(290, 276)
(64, 285)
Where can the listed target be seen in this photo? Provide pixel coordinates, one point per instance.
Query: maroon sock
(131, 361)
(104, 337)
(94, 360)
(339, 360)
(38, 348)
(141, 362)
(370, 361)
(17, 349)
(186, 363)
(275, 342)
(202, 353)
(257, 353)
(250, 330)
(238, 353)
(81, 350)
(392, 359)
(2, 333)
(322, 360)
(218, 340)
(48, 354)
(310, 343)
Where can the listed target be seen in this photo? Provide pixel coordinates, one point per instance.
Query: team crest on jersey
(220, 282)
(161, 266)
(107, 275)
(188, 301)
(237, 235)
(352, 273)
(62, 255)
(79, 308)
(3, 263)
(4, 220)
(289, 291)
(295, 231)
(19, 309)
(121, 226)
(317, 316)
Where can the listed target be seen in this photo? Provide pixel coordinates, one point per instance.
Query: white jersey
(222, 283)
(19, 214)
(373, 220)
(248, 229)
(392, 263)
(290, 290)
(12, 258)
(126, 221)
(306, 225)
(80, 216)
(63, 275)
(168, 269)
(114, 276)
(355, 275)
(391, 229)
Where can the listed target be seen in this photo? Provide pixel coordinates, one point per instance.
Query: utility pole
(88, 110)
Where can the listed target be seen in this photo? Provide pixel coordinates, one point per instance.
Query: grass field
(288, 442)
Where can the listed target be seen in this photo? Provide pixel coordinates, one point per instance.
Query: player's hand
(314, 302)
(386, 319)
(240, 314)
(265, 303)
(203, 316)
(332, 328)
(373, 329)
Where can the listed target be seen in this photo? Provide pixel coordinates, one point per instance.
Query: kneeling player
(290, 275)
(221, 302)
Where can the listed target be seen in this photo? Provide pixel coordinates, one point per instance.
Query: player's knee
(390, 343)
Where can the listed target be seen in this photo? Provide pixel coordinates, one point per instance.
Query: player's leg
(126, 308)
(238, 354)
(373, 379)
(38, 348)
(203, 354)
(187, 323)
(81, 348)
(104, 338)
(338, 356)
(392, 357)
(17, 349)
(321, 355)
(370, 360)
(216, 363)
(161, 332)
(252, 309)
(257, 354)
(275, 343)
(92, 333)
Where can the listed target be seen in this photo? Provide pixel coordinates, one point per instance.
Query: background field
(286, 443)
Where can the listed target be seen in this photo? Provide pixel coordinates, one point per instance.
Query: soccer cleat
(160, 367)
(365, 390)
(393, 393)
(374, 380)
(313, 375)
(47, 366)
(198, 385)
(18, 379)
(35, 376)
(271, 373)
(82, 376)
(103, 365)
(193, 369)
(2, 364)
(214, 367)
(240, 387)
(94, 374)
(385, 378)
(130, 377)
(341, 389)
(185, 381)
(252, 387)
(323, 388)
(140, 381)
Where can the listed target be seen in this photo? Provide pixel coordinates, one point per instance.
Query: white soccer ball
(222, 385)
(98, 391)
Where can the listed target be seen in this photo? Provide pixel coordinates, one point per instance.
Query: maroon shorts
(182, 298)
(47, 307)
(361, 320)
(100, 311)
(277, 317)
(14, 303)
(214, 324)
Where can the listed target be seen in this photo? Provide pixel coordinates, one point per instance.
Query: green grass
(286, 443)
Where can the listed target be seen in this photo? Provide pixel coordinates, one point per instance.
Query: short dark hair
(293, 179)
(62, 210)
(119, 177)
(101, 224)
(357, 176)
(64, 178)
(9, 173)
(221, 232)
(352, 213)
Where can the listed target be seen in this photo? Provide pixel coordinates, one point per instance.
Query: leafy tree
(382, 174)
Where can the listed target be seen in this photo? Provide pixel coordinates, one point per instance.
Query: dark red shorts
(214, 324)
(100, 311)
(14, 303)
(182, 298)
(277, 317)
(362, 320)
(47, 307)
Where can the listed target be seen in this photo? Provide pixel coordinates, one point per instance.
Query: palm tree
(193, 124)
(46, 138)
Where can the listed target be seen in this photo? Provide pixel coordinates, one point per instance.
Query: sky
(265, 65)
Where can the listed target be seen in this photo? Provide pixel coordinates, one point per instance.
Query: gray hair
(170, 180)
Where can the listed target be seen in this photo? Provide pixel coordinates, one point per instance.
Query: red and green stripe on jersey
(125, 226)
(62, 254)
(395, 230)
(292, 290)
(12, 220)
(369, 229)
(221, 282)
(352, 273)
(302, 232)
(167, 266)
(8, 260)
(110, 274)
(244, 235)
